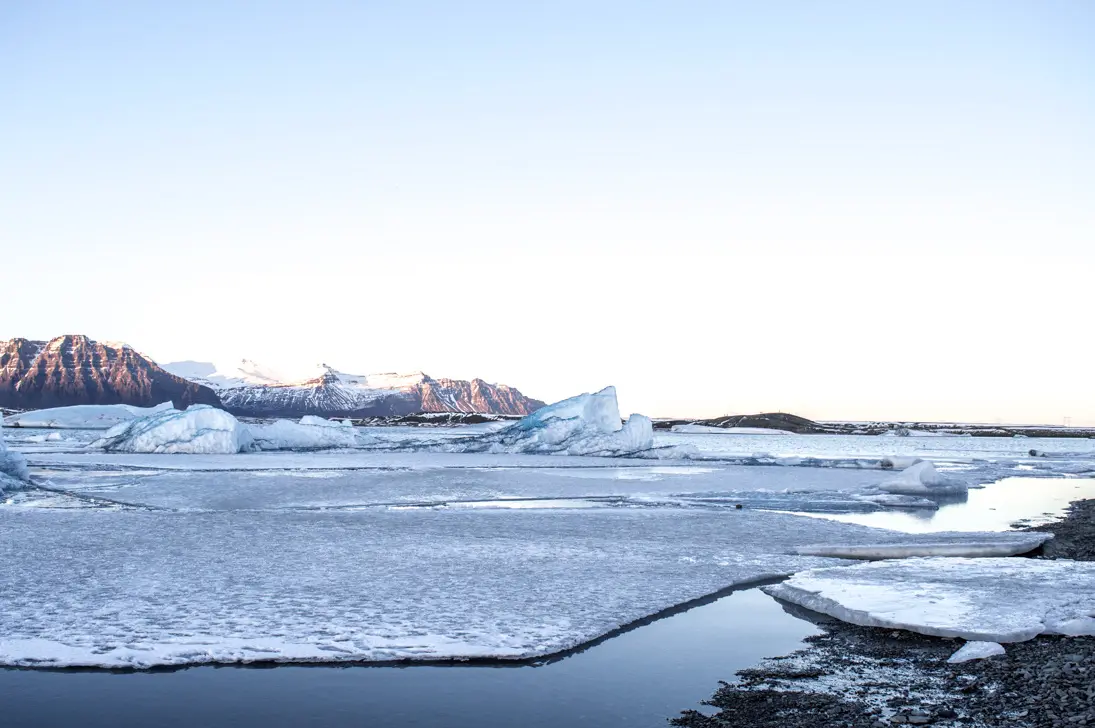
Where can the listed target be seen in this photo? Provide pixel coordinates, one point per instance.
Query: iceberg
(198, 429)
(84, 416)
(311, 433)
(922, 479)
(588, 424)
(980, 599)
(323, 422)
(13, 468)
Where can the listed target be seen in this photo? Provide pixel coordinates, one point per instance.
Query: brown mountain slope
(458, 395)
(73, 369)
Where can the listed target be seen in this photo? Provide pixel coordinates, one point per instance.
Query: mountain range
(253, 390)
(74, 369)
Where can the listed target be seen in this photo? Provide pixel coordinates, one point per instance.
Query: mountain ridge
(250, 389)
(74, 369)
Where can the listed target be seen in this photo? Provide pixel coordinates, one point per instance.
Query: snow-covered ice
(83, 416)
(311, 433)
(980, 599)
(198, 429)
(412, 545)
(142, 588)
(977, 651)
(969, 545)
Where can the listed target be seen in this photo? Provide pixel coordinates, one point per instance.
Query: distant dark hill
(73, 369)
(767, 420)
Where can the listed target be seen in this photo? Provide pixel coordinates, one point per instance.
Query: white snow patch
(977, 651)
(981, 599)
(200, 429)
(83, 416)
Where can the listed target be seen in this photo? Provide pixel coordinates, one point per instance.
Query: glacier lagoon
(465, 555)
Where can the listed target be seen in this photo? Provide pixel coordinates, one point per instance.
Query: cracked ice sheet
(125, 588)
(990, 599)
(722, 485)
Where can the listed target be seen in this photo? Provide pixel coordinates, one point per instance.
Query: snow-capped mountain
(249, 389)
(73, 369)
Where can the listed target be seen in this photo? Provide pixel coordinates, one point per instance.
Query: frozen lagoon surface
(139, 560)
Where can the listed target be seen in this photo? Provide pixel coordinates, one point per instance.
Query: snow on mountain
(243, 373)
(250, 389)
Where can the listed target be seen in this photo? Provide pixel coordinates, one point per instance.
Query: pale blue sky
(842, 209)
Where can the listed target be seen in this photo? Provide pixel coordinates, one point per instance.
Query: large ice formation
(13, 469)
(198, 429)
(588, 424)
(311, 433)
(83, 416)
(992, 599)
(922, 479)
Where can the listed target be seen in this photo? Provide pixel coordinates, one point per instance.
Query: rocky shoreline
(871, 678)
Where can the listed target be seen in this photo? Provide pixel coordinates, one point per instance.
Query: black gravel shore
(872, 678)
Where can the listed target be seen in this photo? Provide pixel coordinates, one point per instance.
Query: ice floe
(173, 587)
(891, 500)
(980, 599)
(936, 544)
(84, 416)
(977, 651)
(200, 429)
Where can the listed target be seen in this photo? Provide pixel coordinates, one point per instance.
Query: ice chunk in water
(922, 479)
(890, 500)
(198, 429)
